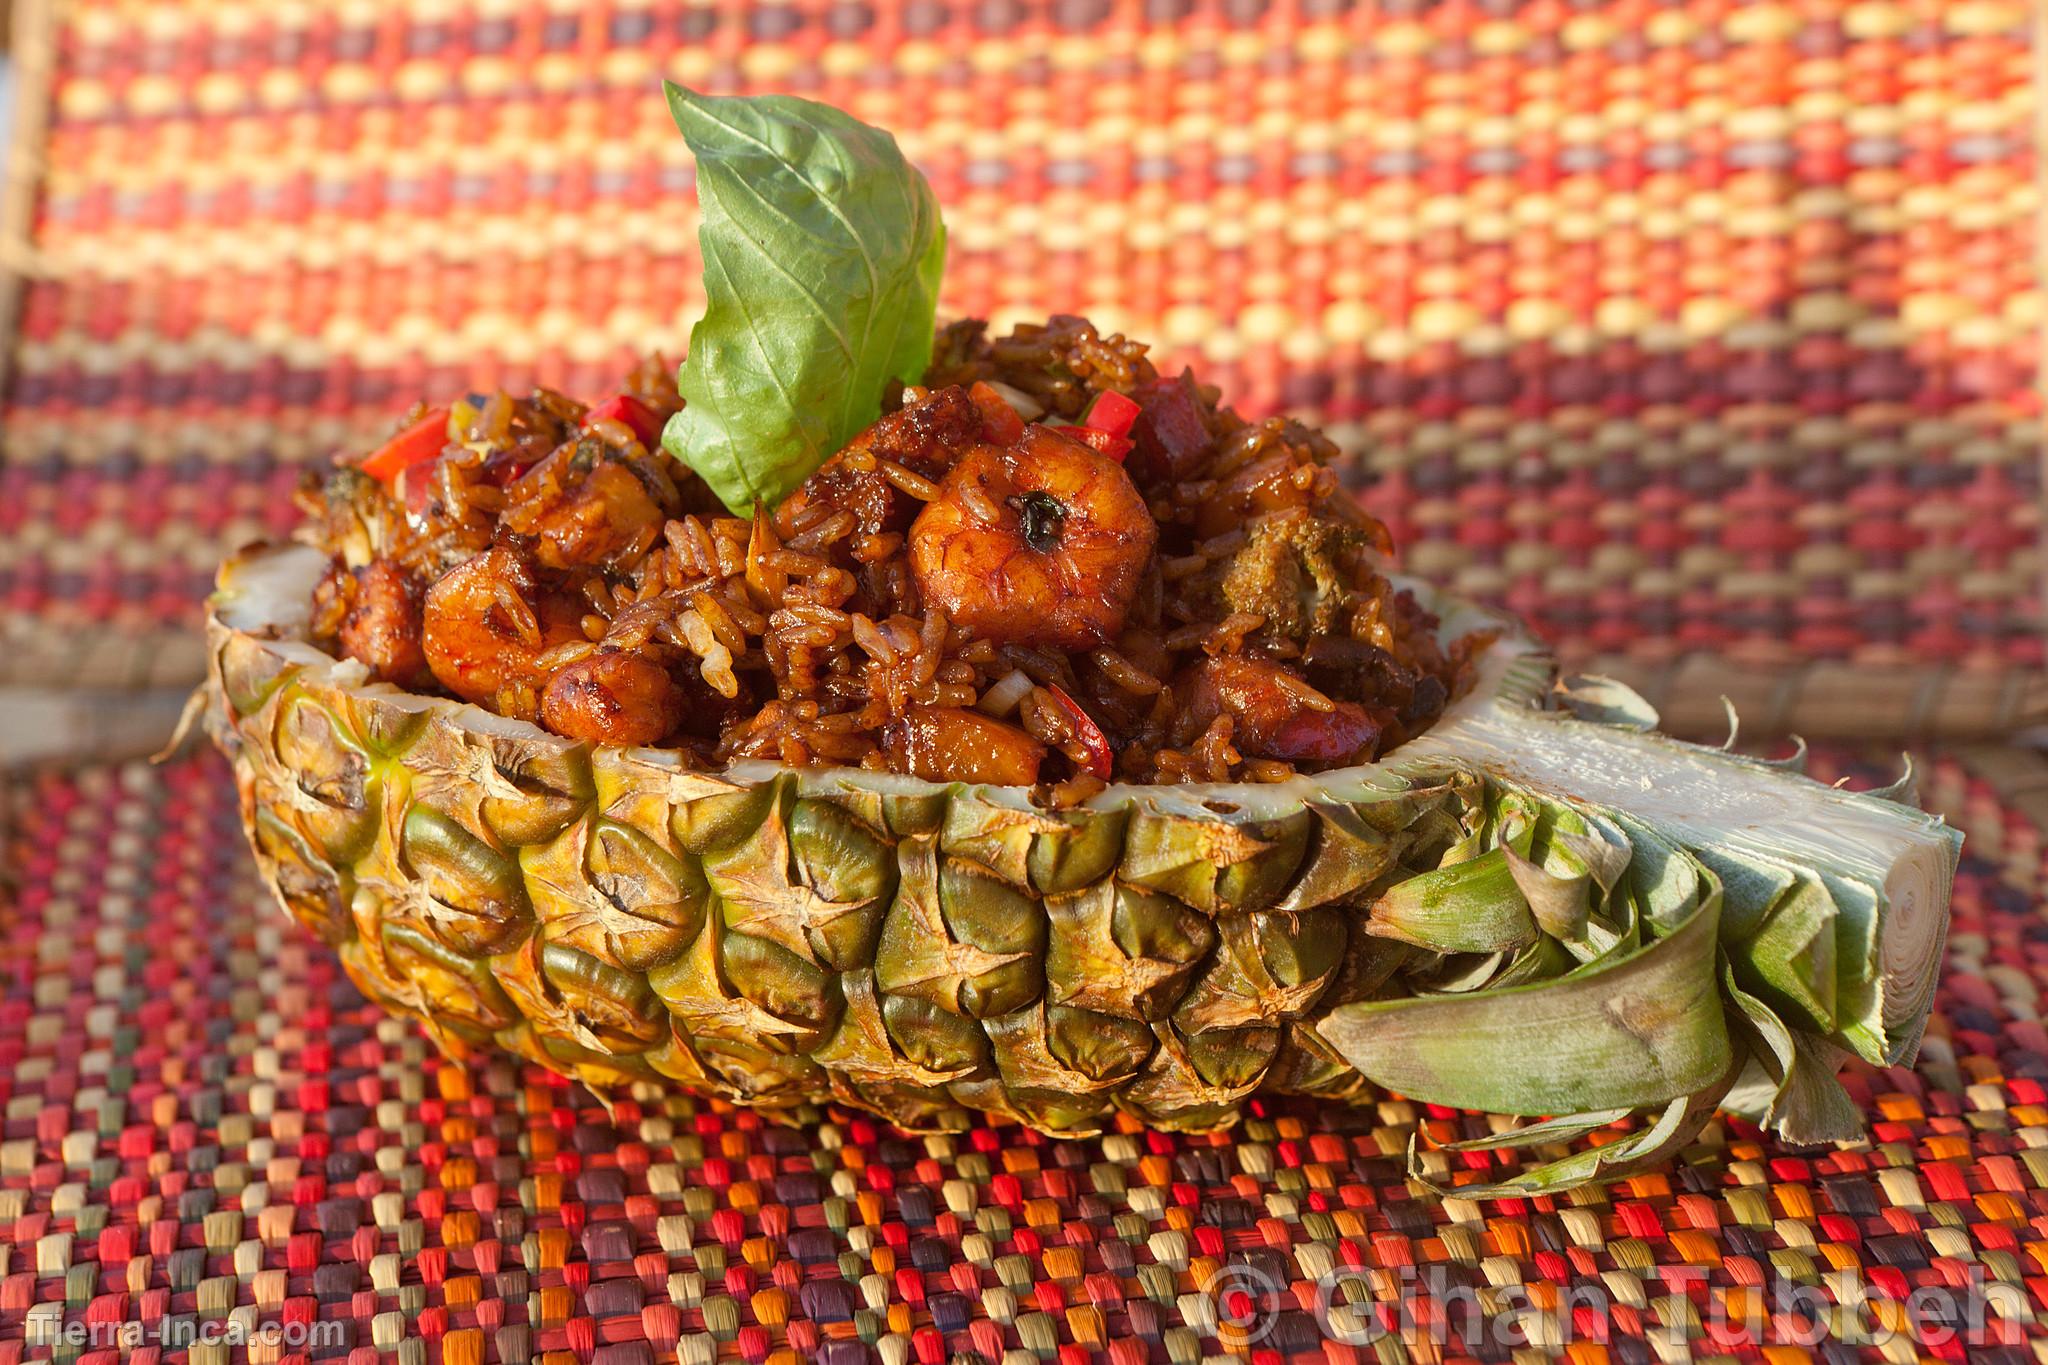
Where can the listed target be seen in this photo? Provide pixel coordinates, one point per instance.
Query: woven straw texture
(1682, 328)
(207, 1132)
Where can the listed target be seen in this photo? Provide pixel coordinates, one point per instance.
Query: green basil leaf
(822, 255)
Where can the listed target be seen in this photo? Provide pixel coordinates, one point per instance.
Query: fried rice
(551, 563)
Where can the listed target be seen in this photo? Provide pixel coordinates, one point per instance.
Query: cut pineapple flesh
(1537, 908)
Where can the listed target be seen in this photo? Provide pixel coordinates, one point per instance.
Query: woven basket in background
(1704, 334)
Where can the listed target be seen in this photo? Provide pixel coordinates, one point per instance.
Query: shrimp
(612, 698)
(921, 438)
(1275, 714)
(948, 744)
(1041, 542)
(589, 510)
(487, 622)
(382, 628)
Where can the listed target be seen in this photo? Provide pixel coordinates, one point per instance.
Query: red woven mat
(209, 1138)
(1696, 325)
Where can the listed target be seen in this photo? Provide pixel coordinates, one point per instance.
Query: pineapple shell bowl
(1539, 907)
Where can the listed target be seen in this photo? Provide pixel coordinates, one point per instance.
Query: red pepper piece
(624, 407)
(1101, 758)
(1111, 412)
(422, 441)
(1101, 442)
(414, 486)
(998, 418)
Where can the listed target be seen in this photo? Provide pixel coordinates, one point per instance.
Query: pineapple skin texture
(912, 950)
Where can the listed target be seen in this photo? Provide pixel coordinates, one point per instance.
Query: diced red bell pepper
(422, 441)
(1101, 758)
(1115, 447)
(998, 419)
(624, 407)
(414, 485)
(1111, 412)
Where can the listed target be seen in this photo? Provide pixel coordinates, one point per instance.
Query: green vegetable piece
(822, 255)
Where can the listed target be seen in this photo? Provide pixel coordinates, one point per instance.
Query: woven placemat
(1684, 328)
(210, 1140)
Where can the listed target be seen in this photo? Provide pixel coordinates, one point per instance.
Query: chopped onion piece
(1029, 408)
(1004, 693)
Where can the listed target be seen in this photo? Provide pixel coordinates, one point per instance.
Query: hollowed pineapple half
(1537, 908)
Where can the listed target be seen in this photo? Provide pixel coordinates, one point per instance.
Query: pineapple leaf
(1640, 1030)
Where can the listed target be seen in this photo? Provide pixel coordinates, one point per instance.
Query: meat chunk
(924, 438)
(1275, 714)
(612, 698)
(584, 509)
(1170, 440)
(382, 627)
(1297, 571)
(487, 622)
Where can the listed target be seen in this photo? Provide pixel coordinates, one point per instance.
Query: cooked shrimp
(612, 698)
(949, 744)
(382, 627)
(1041, 542)
(586, 509)
(487, 622)
(1275, 714)
(922, 438)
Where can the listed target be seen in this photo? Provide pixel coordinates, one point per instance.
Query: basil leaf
(822, 254)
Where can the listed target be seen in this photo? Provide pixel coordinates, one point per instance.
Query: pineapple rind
(790, 939)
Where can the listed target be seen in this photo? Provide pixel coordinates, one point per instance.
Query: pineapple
(1539, 907)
